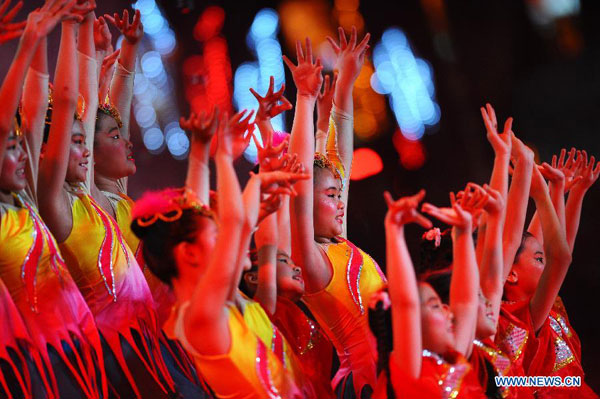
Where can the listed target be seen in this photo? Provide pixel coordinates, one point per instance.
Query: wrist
(344, 81)
(306, 98)
(224, 156)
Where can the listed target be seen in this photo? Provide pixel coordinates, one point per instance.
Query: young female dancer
(54, 312)
(339, 277)
(430, 340)
(185, 248)
(96, 254)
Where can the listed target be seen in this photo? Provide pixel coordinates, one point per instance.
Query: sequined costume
(52, 308)
(112, 283)
(452, 375)
(260, 324)
(340, 309)
(308, 341)
(249, 370)
(178, 361)
(558, 353)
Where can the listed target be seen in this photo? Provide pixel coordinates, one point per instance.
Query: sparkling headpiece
(78, 112)
(323, 162)
(108, 109)
(167, 205)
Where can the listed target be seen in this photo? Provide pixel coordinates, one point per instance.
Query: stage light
(145, 115)
(178, 144)
(411, 152)
(265, 24)
(153, 139)
(365, 163)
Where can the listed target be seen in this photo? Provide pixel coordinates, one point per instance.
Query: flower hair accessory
(433, 235)
(108, 109)
(323, 162)
(380, 296)
(167, 205)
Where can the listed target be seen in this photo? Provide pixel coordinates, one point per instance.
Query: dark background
(545, 77)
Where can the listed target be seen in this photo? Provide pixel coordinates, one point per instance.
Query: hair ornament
(167, 205)
(323, 162)
(108, 109)
(433, 235)
(79, 111)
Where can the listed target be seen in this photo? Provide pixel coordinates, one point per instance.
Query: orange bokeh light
(366, 163)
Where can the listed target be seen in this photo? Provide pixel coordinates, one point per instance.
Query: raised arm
(324, 104)
(589, 172)
(202, 128)
(206, 321)
(88, 86)
(305, 253)
(10, 30)
(464, 287)
(556, 251)
(402, 284)
(121, 90)
(516, 202)
(33, 112)
(266, 245)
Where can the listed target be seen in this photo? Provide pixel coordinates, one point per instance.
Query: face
(436, 321)
(113, 155)
(486, 322)
(328, 209)
(529, 265)
(12, 177)
(290, 283)
(78, 155)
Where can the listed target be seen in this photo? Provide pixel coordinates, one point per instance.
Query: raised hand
(106, 73)
(538, 184)
(10, 30)
(588, 171)
(102, 35)
(472, 199)
(495, 202)
(569, 167)
(202, 127)
(273, 103)
(270, 157)
(350, 55)
(45, 19)
(132, 31)
(455, 216)
(405, 210)
(269, 204)
(307, 74)
(501, 142)
(519, 149)
(325, 102)
(279, 181)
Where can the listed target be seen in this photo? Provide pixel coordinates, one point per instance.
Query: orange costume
(558, 353)
(249, 370)
(51, 306)
(340, 308)
(309, 343)
(108, 276)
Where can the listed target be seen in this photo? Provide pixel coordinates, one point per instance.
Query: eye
(116, 137)
(11, 147)
(331, 195)
(539, 259)
(284, 260)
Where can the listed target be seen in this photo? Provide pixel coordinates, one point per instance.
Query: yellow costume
(107, 274)
(249, 370)
(340, 309)
(50, 304)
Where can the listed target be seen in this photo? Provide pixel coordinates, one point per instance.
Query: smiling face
(78, 155)
(290, 283)
(113, 155)
(486, 322)
(437, 328)
(328, 208)
(12, 177)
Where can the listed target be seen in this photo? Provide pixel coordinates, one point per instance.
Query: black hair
(440, 281)
(243, 286)
(380, 322)
(525, 236)
(160, 238)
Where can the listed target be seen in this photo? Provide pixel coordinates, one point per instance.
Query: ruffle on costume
(52, 308)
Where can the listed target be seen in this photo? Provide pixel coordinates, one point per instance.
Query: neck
(106, 184)
(6, 197)
(184, 289)
(514, 293)
(325, 240)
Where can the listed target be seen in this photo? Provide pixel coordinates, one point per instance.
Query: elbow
(65, 96)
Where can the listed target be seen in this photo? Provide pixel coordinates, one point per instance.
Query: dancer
(53, 311)
(339, 277)
(96, 254)
(184, 247)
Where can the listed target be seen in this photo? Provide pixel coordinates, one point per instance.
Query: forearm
(573, 214)
(491, 266)
(198, 173)
(321, 140)
(266, 292)
(516, 211)
(264, 127)
(481, 232)
(557, 196)
(402, 285)
(499, 178)
(121, 91)
(283, 226)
